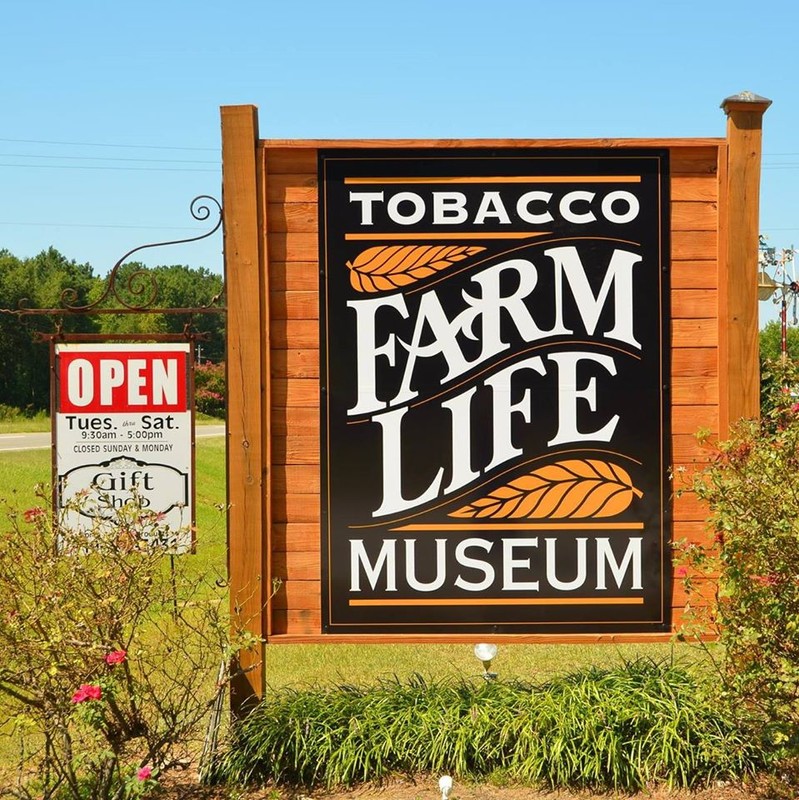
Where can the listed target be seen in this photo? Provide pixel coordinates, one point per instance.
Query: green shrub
(751, 487)
(620, 729)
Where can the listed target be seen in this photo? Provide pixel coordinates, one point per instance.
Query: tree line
(39, 282)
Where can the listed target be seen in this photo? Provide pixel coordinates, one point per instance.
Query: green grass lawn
(19, 423)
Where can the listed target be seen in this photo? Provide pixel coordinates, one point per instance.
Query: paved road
(41, 441)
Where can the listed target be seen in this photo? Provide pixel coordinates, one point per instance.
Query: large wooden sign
(460, 374)
(494, 407)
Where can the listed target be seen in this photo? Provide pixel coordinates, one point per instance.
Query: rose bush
(110, 654)
(210, 389)
(751, 487)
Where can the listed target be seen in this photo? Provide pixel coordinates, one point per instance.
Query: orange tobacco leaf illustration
(572, 489)
(387, 267)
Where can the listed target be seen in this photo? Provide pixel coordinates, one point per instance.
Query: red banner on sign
(122, 381)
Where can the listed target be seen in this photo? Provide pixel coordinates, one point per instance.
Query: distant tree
(38, 282)
(770, 340)
(41, 281)
(187, 287)
(167, 287)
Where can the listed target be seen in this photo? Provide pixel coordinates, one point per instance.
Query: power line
(105, 144)
(111, 158)
(117, 169)
(92, 225)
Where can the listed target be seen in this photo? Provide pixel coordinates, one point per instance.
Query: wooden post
(244, 260)
(738, 313)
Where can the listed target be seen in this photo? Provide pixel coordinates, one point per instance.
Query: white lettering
(165, 381)
(112, 375)
(449, 208)
(582, 566)
(410, 566)
(366, 199)
(569, 394)
(631, 558)
(619, 274)
(414, 216)
(566, 212)
(137, 381)
(501, 384)
(386, 559)
(80, 382)
(523, 207)
(368, 350)
(474, 563)
(393, 501)
(510, 564)
(460, 408)
(633, 207)
(491, 205)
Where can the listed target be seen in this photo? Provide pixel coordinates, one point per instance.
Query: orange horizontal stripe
(401, 237)
(501, 601)
(523, 526)
(504, 179)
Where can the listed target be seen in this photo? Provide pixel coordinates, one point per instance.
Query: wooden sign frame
(272, 280)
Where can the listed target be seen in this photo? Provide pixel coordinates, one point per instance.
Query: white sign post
(123, 430)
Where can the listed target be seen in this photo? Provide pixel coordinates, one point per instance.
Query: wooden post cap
(745, 101)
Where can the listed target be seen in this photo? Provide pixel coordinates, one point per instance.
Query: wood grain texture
(694, 274)
(296, 537)
(694, 304)
(297, 334)
(694, 216)
(295, 392)
(692, 390)
(295, 479)
(740, 329)
(687, 448)
(677, 146)
(694, 361)
(299, 421)
(294, 305)
(294, 276)
(691, 245)
(692, 418)
(245, 459)
(693, 332)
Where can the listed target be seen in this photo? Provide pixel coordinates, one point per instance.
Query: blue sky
(110, 111)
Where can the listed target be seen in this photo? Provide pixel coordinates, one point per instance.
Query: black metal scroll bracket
(137, 282)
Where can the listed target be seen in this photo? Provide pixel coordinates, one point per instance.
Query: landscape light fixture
(485, 653)
(445, 785)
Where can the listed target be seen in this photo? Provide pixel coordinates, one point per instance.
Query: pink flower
(115, 657)
(765, 580)
(795, 407)
(87, 691)
(32, 514)
(144, 773)
(681, 572)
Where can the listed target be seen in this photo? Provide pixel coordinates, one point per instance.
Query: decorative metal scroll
(141, 285)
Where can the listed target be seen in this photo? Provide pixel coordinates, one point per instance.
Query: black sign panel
(494, 334)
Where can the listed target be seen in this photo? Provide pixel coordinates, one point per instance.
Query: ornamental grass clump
(617, 729)
(110, 653)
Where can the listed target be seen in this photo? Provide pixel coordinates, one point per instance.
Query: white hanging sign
(123, 430)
